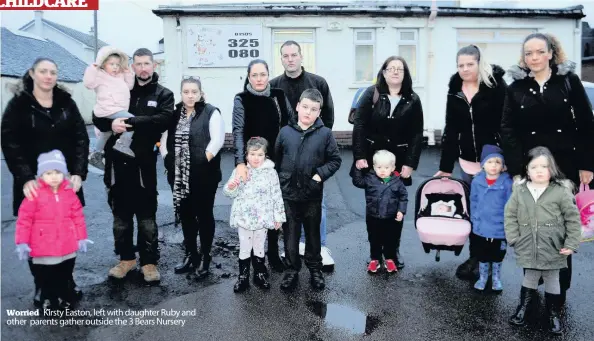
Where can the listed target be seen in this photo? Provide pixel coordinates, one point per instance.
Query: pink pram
(442, 216)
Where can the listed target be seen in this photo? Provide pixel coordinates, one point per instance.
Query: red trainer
(391, 266)
(373, 266)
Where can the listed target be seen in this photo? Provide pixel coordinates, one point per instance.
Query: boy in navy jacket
(386, 200)
(306, 156)
(490, 190)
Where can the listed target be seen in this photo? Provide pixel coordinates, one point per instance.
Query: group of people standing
(284, 148)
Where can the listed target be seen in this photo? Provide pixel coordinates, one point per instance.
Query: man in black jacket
(294, 81)
(306, 156)
(132, 182)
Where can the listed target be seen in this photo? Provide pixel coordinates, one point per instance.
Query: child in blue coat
(489, 192)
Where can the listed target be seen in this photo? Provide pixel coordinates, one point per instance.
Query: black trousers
(197, 218)
(309, 215)
(384, 237)
(54, 279)
(490, 250)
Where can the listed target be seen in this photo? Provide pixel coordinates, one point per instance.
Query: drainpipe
(180, 57)
(577, 46)
(430, 133)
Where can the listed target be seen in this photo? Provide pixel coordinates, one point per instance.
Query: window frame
(277, 61)
(414, 42)
(356, 43)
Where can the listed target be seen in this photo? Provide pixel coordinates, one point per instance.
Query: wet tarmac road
(423, 302)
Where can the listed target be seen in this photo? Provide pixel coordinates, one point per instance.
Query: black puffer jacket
(400, 132)
(471, 126)
(531, 118)
(302, 154)
(383, 199)
(28, 130)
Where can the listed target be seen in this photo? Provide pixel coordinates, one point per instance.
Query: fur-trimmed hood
(517, 72)
(455, 84)
(107, 51)
(565, 183)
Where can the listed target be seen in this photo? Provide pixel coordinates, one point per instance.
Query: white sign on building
(223, 45)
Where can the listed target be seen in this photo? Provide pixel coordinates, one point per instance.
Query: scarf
(265, 92)
(181, 182)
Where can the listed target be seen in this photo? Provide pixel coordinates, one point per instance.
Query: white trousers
(249, 240)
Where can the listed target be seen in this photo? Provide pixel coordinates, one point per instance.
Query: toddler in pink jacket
(50, 229)
(112, 81)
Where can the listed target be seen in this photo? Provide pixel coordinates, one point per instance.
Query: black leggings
(197, 218)
(54, 279)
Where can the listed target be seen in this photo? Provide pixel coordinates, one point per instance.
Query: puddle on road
(344, 317)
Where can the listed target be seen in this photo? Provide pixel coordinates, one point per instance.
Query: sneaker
(390, 266)
(122, 148)
(121, 270)
(151, 274)
(373, 266)
(96, 160)
(327, 260)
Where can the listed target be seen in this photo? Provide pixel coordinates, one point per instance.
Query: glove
(23, 251)
(82, 244)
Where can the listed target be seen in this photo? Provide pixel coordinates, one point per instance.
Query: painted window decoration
(306, 39)
(223, 45)
(364, 41)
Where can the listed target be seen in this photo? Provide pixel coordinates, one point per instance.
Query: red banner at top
(49, 5)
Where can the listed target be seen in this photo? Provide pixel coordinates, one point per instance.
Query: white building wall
(76, 48)
(335, 55)
(84, 98)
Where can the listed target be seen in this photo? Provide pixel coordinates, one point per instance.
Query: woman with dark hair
(547, 106)
(193, 163)
(259, 111)
(390, 117)
(42, 116)
(473, 119)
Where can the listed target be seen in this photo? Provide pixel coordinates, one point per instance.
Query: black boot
(317, 280)
(553, 303)
(204, 270)
(189, 263)
(260, 273)
(37, 294)
(526, 298)
(243, 280)
(289, 281)
(274, 260)
(468, 270)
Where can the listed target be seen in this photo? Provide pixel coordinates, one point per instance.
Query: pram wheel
(437, 257)
(426, 248)
(458, 251)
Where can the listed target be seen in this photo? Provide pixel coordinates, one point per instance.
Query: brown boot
(121, 270)
(151, 274)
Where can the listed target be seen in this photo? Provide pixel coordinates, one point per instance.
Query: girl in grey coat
(542, 224)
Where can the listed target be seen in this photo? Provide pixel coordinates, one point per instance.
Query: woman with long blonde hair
(473, 116)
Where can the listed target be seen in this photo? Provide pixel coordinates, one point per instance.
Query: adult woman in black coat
(473, 119)
(191, 157)
(390, 117)
(547, 105)
(42, 116)
(262, 111)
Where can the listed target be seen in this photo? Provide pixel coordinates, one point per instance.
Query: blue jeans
(322, 224)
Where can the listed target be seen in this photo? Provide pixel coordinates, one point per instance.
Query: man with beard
(132, 182)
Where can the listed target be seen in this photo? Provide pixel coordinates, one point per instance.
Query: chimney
(38, 27)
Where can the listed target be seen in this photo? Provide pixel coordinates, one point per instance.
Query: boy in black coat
(306, 156)
(386, 200)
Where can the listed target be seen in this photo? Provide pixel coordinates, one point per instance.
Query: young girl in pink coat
(112, 81)
(50, 229)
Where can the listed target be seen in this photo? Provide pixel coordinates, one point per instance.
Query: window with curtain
(408, 45)
(364, 41)
(305, 38)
